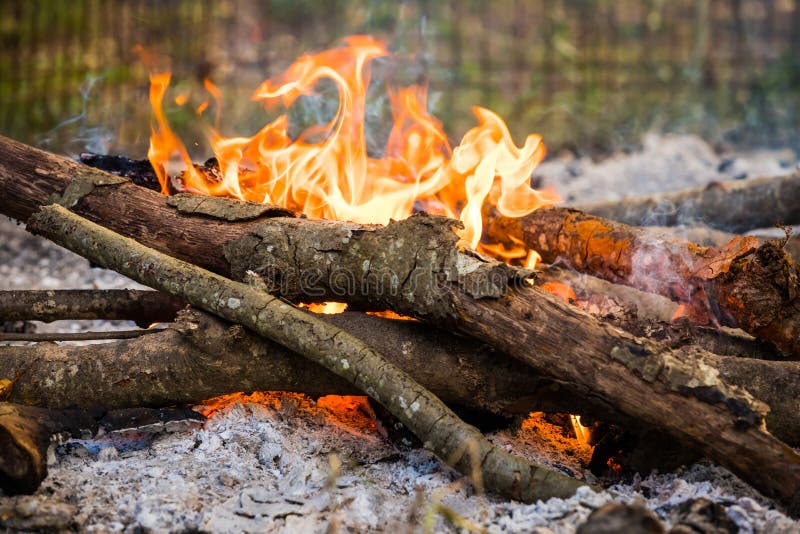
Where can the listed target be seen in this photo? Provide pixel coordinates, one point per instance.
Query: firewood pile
(698, 354)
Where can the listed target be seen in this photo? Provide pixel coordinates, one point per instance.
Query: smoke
(77, 134)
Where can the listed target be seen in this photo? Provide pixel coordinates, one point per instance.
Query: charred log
(756, 288)
(26, 432)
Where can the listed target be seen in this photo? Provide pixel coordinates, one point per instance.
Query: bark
(142, 307)
(756, 288)
(673, 390)
(437, 426)
(733, 206)
(199, 357)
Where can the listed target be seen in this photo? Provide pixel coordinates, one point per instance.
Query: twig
(78, 336)
(423, 413)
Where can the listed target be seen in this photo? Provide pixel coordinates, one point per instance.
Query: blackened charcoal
(140, 172)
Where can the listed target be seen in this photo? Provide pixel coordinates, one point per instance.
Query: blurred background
(589, 75)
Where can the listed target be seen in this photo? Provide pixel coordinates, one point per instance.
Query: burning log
(459, 444)
(649, 315)
(142, 307)
(756, 288)
(674, 390)
(199, 357)
(733, 206)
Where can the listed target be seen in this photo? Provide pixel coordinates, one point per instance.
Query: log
(27, 431)
(709, 237)
(673, 390)
(652, 316)
(755, 288)
(462, 446)
(734, 206)
(142, 307)
(199, 357)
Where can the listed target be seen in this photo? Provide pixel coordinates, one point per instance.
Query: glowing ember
(327, 308)
(326, 172)
(561, 290)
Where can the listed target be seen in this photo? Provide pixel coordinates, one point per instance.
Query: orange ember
(326, 172)
(561, 290)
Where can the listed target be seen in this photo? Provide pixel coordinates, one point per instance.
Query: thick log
(755, 288)
(462, 446)
(674, 390)
(199, 357)
(142, 307)
(733, 206)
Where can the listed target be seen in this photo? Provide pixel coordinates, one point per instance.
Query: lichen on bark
(401, 266)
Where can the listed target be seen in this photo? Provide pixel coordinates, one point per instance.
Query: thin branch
(143, 307)
(78, 336)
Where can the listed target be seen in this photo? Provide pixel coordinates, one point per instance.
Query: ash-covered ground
(285, 463)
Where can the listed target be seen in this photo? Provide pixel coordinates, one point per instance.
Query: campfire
(409, 285)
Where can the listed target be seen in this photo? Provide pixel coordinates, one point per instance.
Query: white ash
(665, 163)
(257, 468)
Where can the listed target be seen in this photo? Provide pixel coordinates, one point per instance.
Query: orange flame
(326, 171)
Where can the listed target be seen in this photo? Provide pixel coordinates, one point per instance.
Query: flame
(582, 433)
(326, 172)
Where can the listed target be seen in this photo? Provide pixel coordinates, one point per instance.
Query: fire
(326, 171)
